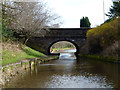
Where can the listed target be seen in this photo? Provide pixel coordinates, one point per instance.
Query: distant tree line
(63, 44)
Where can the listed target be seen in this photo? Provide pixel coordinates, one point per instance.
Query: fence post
(21, 64)
(30, 64)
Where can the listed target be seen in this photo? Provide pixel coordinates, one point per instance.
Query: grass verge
(100, 58)
(13, 52)
(49, 58)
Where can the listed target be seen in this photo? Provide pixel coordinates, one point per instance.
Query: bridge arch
(52, 43)
(77, 36)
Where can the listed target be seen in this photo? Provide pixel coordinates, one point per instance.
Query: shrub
(102, 37)
(7, 34)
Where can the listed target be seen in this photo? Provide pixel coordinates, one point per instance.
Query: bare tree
(31, 18)
(7, 12)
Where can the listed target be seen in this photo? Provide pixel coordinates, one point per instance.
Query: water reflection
(69, 73)
(67, 54)
(69, 81)
(68, 51)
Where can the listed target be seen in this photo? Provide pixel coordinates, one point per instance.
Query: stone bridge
(76, 36)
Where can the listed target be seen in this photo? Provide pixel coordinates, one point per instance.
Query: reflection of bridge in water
(77, 36)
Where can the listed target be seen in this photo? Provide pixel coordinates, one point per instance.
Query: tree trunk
(26, 39)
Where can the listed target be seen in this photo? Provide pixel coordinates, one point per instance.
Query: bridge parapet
(67, 32)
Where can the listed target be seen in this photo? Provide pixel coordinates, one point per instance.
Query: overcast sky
(71, 11)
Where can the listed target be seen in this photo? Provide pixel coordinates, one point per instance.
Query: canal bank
(17, 58)
(109, 59)
(13, 70)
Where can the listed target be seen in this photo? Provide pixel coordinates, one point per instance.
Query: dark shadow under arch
(77, 48)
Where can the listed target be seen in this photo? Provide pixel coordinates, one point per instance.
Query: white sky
(71, 11)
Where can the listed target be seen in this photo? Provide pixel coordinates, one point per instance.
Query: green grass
(49, 58)
(100, 58)
(31, 52)
(12, 56)
(61, 48)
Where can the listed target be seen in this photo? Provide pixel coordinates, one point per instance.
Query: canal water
(69, 72)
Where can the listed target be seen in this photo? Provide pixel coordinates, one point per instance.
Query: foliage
(107, 21)
(84, 22)
(114, 10)
(7, 34)
(63, 44)
(103, 36)
(7, 18)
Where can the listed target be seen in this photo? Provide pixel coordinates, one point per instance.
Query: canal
(69, 72)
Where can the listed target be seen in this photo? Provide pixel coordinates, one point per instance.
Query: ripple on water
(69, 81)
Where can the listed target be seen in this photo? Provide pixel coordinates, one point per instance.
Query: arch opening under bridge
(61, 42)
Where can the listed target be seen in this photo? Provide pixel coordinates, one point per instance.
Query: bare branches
(30, 18)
